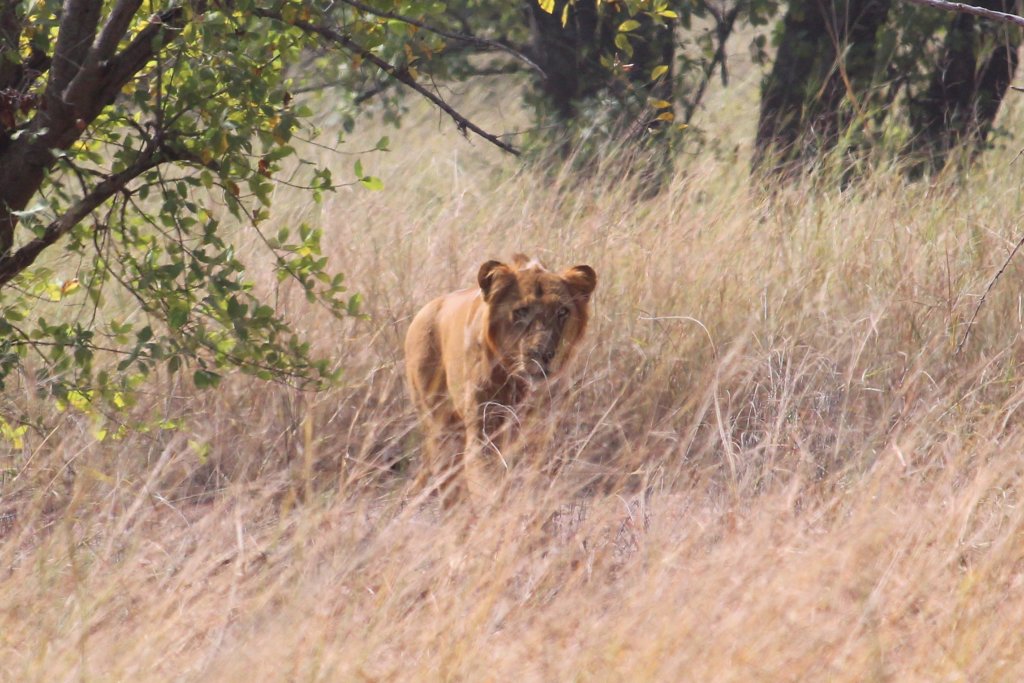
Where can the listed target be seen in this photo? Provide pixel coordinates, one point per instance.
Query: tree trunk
(24, 167)
(571, 58)
(963, 95)
(822, 73)
(569, 55)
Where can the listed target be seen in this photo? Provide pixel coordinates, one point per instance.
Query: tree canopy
(120, 128)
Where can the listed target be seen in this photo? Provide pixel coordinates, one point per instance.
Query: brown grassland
(772, 464)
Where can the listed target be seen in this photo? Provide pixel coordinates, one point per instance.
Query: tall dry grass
(771, 464)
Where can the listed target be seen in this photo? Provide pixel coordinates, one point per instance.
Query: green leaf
(622, 42)
(372, 183)
(204, 379)
(547, 5)
(629, 25)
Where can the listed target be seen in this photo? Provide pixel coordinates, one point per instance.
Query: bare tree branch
(463, 37)
(970, 9)
(401, 75)
(383, 86)
(118, 22)
(984, 296)
(78, 22)
(723, 27)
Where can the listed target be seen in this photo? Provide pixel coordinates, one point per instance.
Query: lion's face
(535, 318)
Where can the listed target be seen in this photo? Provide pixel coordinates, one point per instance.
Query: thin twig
(981, 302)
(14, 263)
(723, 27)
(401, 75)
(452, 35)
(970, 9)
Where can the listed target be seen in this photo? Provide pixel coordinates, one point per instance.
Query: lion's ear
(581, 281)
(489, 275)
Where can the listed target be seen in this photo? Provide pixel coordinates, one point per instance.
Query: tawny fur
(473, 357)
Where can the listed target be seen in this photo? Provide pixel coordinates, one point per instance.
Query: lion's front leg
(446, 465)
(443, 447)
(484, 463)
(479, 471)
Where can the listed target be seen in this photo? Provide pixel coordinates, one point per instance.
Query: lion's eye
(521, 314)
(563, 313)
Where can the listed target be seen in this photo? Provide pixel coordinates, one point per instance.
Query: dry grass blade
(769, 467)
(988, 288)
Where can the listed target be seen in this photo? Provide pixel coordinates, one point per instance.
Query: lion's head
(535, 318)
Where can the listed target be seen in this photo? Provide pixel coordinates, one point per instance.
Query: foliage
(594, 68)
(135, 144)
(867, 81)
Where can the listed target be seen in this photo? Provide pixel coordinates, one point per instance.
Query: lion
(474, 357)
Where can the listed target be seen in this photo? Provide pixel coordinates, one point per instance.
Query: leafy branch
(451, 35)
(402, 75)
(13, 264)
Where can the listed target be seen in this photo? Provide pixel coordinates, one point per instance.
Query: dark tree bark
(964, 94)
(570, 57)
(85, 75)
(826, 61)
